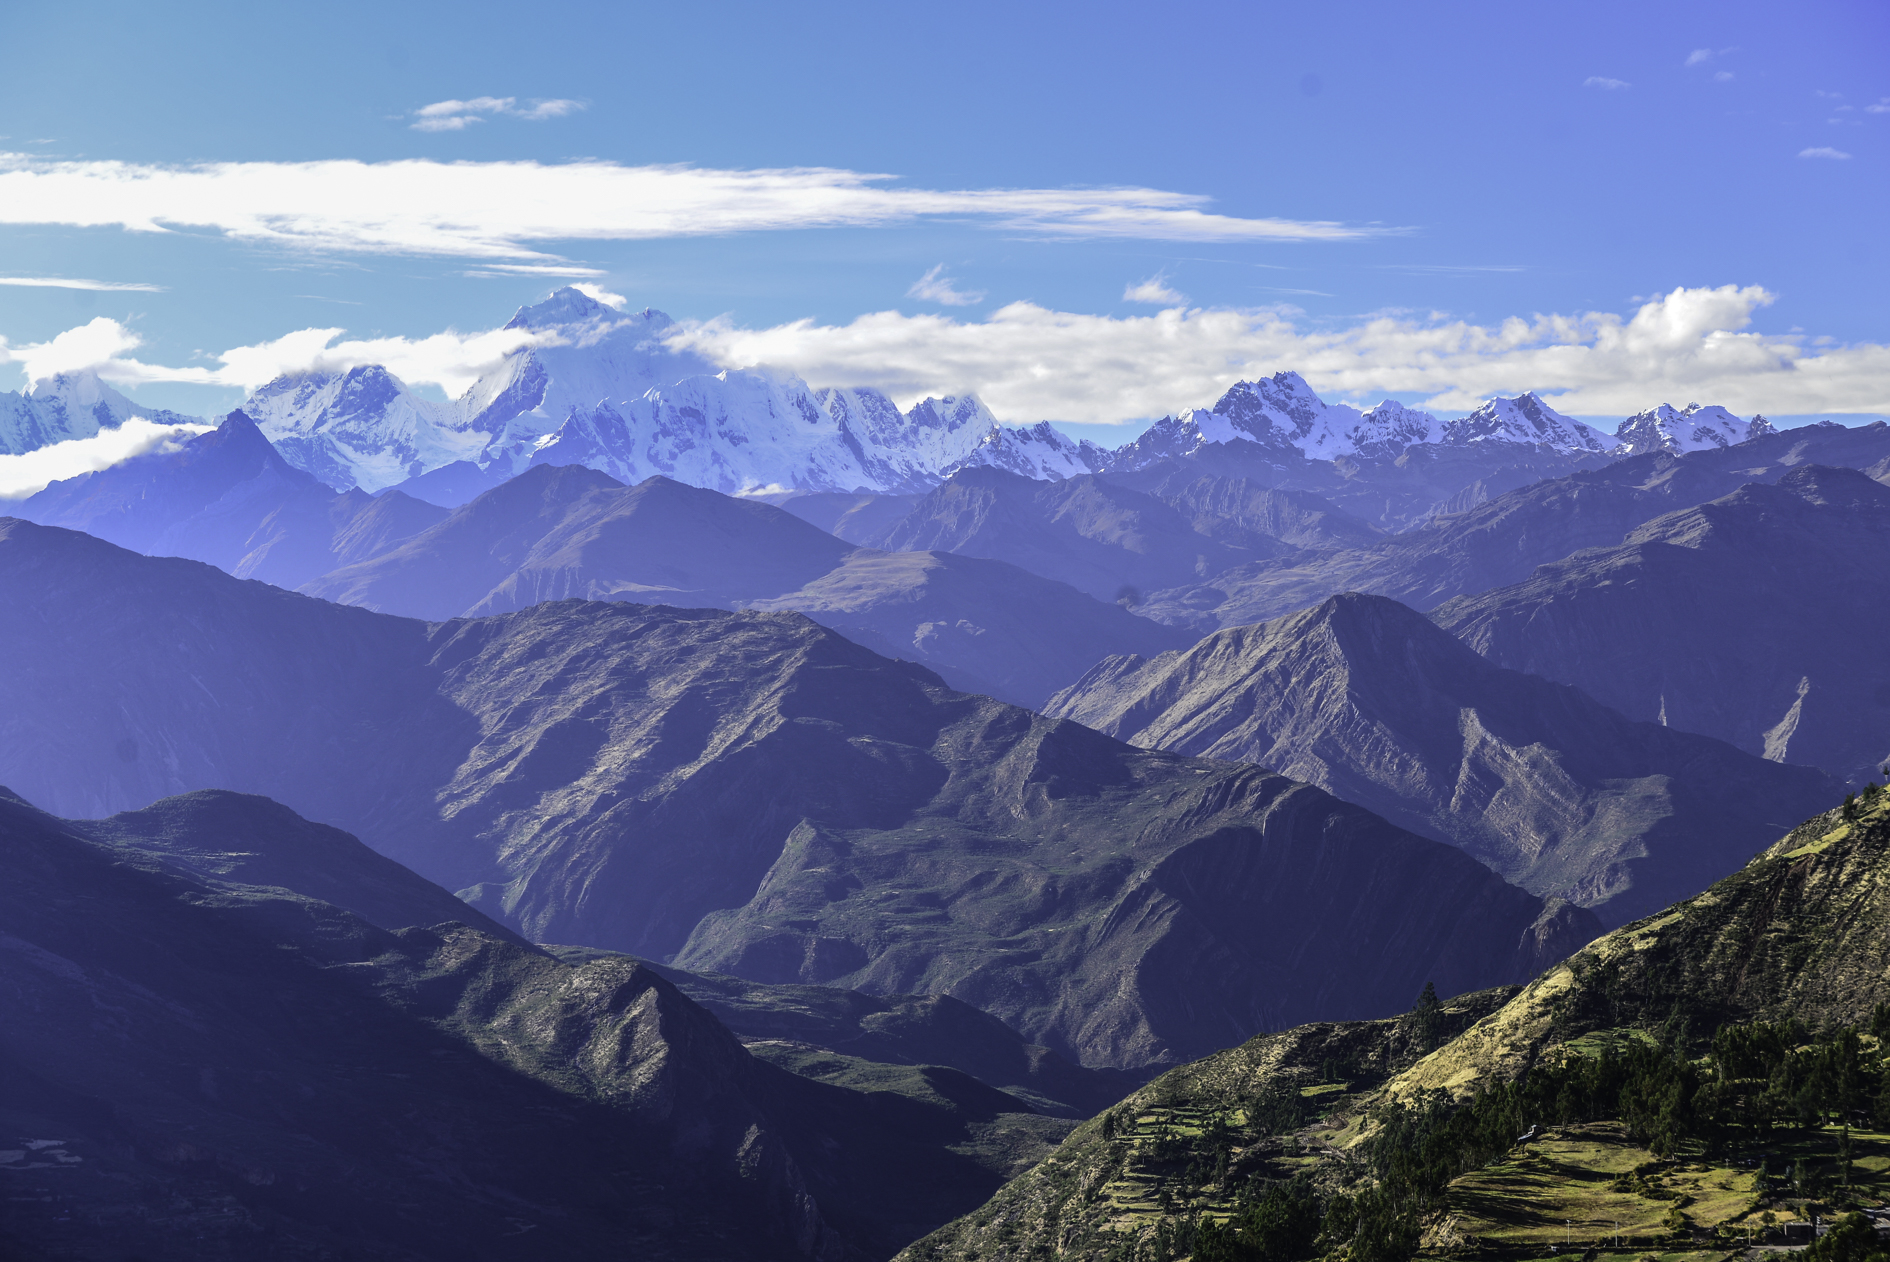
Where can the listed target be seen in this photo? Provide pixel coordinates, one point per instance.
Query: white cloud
(501, 210)
(1699, 55)
(459, 115)
(1879, 107)
(1825, 151)
(64, 282)
(1604, 83)
(1722, 76)
(450, 360)
(935, 286)
(1155, 289)
(1028, 362)
(600, 294)
(24, 475)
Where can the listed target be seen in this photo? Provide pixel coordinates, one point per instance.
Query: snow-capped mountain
(1039, 451)
(730, 432)
(1692, 428)
(1282, 415)
(65, 406)
(1526, 419)
(362, 427)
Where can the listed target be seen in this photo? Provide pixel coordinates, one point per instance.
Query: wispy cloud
(1605, 84)
(1154, 290)
(459, 115)
(1722, 76)
(536, 269)
(502, 210)
(69, 282)
(936, 286)
(1825, 151)
(1878, 107)
(24, 475)
(1699, 56)
(1028, 362)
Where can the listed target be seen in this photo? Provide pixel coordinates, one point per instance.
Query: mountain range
(750, 793)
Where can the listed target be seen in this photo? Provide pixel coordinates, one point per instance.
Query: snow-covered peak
(69, 405)
(1526, 419)
(1692, 428)
(569, 306)
(362, 427)
(1035, 451)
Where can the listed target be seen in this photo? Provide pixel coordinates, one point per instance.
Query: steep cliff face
(1754, 618)
(750, 793)
(1374, 703)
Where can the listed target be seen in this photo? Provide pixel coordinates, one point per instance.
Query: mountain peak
(571, 305)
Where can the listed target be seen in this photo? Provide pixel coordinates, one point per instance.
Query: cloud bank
(1030, 363)
(1027, 362)
(21, 476)
(507, 210)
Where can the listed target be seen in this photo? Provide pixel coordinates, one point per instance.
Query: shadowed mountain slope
(749, 793)
(566, 531)
(1372, 702)
(1756, 618)
(1503, 540)
(232, 1070)
(227, 497)
(901, 1030)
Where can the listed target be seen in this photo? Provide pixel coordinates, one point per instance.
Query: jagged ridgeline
(1700, 1078)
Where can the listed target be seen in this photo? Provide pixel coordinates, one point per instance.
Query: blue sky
(1393, 182)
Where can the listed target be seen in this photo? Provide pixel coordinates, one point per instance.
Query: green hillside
(1695, 1081)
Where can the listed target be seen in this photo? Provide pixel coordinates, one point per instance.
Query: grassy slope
(1798, 932)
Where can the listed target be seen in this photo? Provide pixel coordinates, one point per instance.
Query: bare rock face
(750, 793)
(1377, 705)
(1755, 618)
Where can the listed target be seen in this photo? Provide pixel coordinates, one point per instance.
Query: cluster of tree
(1751, 1079)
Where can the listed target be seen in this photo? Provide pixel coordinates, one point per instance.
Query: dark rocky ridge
(1756, 618)
(1372, 702)
(749, 793)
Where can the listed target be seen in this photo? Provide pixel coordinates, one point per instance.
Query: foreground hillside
(1693, 1077)
(749, 793)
